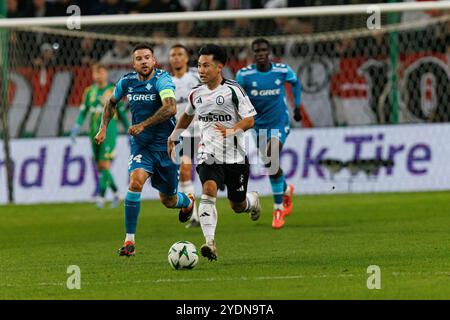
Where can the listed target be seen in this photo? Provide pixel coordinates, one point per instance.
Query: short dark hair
(259, 41)
(99, 65)
(142, 46)
(179, 45)
(216, 51)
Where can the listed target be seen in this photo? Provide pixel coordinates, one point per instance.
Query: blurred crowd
(47, 50)
(49, 8)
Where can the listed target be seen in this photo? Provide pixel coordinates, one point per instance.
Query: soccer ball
(182, 255)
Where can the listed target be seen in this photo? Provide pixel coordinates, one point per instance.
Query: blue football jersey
(267, 93)
(144, 100)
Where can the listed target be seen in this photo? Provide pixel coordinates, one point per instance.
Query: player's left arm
(244, 124)
(296, 88)
(164, 113)
(246, 111)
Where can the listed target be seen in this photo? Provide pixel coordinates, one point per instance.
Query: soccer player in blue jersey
(264, 83)
(151, 96)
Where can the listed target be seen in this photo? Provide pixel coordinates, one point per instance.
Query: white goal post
(231, 14)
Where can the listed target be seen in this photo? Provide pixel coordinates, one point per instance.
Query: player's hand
(100, 136)
(223, 131)
(136, 129)
(297, 115)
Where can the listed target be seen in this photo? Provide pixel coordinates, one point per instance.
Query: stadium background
(358, 115)
(344, 68)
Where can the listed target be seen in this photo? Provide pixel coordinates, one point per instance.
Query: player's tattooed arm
(108, 113)
(168, 110)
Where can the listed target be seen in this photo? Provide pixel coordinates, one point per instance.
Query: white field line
(263, 278)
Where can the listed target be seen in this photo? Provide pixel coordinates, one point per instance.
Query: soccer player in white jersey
(224, 112)
(185, 79)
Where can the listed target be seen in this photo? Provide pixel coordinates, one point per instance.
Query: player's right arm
(108, 111)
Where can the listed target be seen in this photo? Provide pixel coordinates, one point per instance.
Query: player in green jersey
(94, 99)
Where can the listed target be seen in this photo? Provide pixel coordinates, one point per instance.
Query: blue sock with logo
(132, 208)
(183, 200)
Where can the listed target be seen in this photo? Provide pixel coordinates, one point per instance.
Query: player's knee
(185, 172)
(210, 188)
(102, 165)
(136, 186)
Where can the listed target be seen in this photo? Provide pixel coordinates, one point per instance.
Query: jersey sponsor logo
(214, 117)
(220, 100)
(264, 93)
(141, 97)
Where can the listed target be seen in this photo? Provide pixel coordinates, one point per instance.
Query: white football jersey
(227, 104)
(183, 87)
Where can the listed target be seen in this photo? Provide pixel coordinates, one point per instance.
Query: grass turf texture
(322, 252)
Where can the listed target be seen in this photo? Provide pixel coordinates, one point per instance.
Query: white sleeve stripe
(235, 84)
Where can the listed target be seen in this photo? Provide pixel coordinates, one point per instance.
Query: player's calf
(186, 203)
(251, 205)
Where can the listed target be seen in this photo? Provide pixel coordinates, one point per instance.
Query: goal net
(368, 67)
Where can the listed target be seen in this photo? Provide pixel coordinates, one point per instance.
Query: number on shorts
(138, 158)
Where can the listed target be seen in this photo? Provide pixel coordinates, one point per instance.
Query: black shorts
(233, 176)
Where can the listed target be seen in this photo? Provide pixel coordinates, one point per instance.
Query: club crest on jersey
(220, 100)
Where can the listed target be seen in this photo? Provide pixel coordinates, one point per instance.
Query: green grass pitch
(323, 251)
